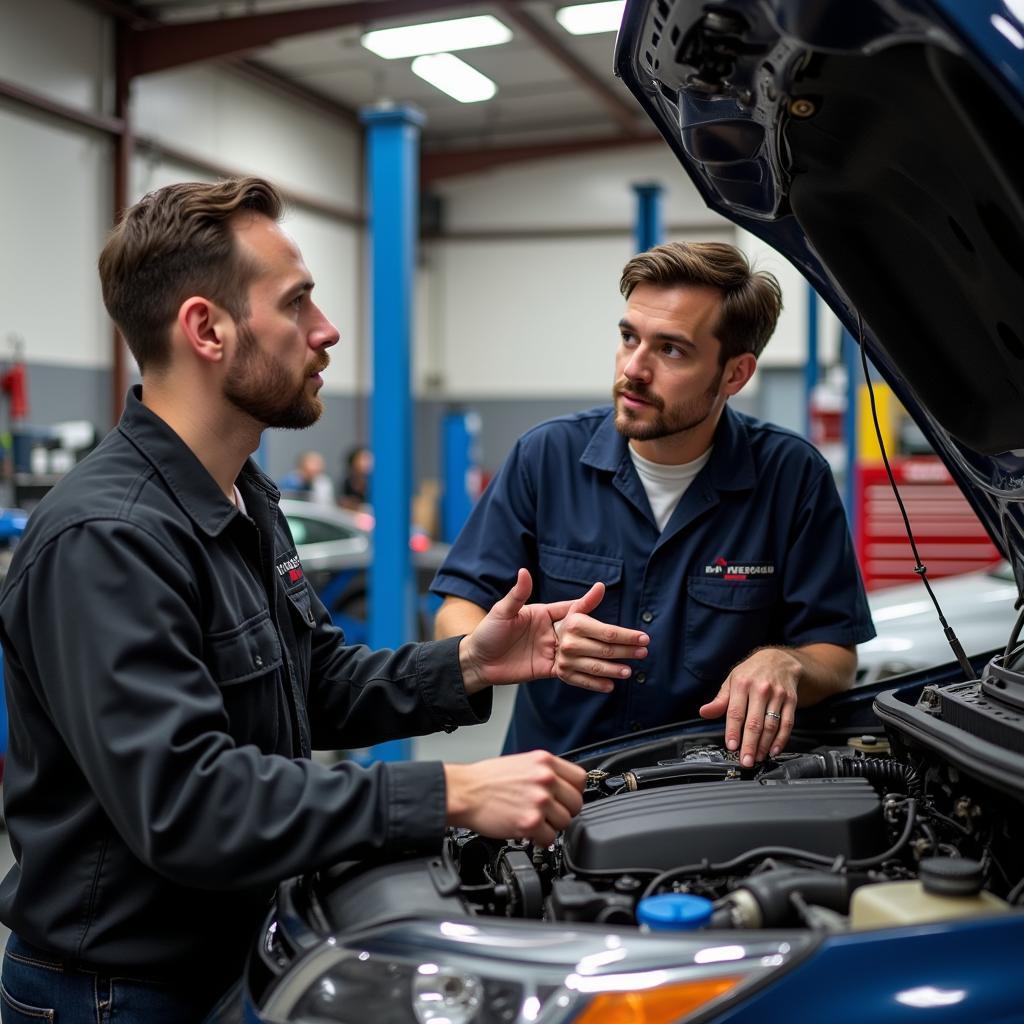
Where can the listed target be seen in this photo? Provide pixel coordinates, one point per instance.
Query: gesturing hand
(515, 641)
(759, 701)
(590, 652)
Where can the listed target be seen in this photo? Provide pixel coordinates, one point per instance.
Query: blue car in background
(12, 525)
(875, 871)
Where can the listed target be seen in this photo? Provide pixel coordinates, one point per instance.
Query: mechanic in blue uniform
(720, 536)
(169, 668)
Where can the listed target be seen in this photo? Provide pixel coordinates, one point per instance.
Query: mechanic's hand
(529, 796)
(759, 701)
(516, 641)
(588, 648)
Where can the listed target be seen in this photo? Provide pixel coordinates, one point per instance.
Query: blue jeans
(37, 988)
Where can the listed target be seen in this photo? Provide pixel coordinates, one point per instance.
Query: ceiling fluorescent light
(437, 37)
(585, 19)
(455, 77)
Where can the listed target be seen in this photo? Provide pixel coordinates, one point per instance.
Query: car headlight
(458, 972)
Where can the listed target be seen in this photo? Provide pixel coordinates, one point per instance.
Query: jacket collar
(184, 475)
(730, 468)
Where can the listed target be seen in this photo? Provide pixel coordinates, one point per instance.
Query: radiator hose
(885, 773)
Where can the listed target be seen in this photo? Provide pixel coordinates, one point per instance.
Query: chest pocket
(725, 621)
(300, 612)
(245, 662)
(567, 575)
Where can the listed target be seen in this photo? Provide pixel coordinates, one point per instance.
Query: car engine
(784, 844)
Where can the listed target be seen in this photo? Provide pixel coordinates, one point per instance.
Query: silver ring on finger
(772, 718)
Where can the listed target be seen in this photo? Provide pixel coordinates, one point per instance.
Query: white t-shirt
(665, 485)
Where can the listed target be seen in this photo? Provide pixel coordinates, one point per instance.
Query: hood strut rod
(919, 567)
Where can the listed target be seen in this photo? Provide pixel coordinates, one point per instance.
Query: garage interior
(526, 199)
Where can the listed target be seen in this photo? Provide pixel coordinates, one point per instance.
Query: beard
(667, 421)
(260, 385)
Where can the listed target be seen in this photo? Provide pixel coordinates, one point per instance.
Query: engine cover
(666, 828)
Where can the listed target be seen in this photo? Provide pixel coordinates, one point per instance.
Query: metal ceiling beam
(161, 150)
(169, 46)
(121, 11)
(623, 112)
(138, 19)
(449, 163)
(286, 86)
(72, 115)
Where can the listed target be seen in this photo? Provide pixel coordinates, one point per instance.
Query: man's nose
(324, 333)
(637, 367)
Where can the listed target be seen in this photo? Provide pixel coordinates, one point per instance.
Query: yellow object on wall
(890, 411)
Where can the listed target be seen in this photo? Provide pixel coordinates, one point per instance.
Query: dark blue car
(875, 871)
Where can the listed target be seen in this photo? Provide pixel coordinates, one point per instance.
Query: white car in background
(978, 605)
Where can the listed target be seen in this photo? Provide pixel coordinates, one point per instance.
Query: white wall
(56, 180)
(220, 117)
(535, 316)
(526, 318)
(55, 192)
(590, 190)
(59, 48)
(55, 207)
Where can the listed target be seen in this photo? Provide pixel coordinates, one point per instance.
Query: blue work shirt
(756, 553)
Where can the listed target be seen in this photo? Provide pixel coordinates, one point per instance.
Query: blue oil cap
(674, 911)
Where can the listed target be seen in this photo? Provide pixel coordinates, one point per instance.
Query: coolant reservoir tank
(948, 887)
(674, 912)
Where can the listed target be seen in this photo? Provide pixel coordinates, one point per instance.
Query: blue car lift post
(811, 366)
(648, 231)
(392, 174)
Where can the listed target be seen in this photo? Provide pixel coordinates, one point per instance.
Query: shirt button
(635, 726)
(647, 616)
(641, 677)
(257, 661)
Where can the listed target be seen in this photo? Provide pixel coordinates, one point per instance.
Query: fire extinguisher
(14, 384)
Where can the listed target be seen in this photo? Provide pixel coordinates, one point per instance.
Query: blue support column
(811, 366)
(851, 359)
(392, 175)
(648, 230)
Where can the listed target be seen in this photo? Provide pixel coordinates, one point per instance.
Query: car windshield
(309, 530)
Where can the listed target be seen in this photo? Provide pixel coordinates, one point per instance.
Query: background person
(721, 536)
(169, 669)
(308, 480)
(355, 483)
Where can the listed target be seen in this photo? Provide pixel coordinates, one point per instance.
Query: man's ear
(738, 371)
(204, 326)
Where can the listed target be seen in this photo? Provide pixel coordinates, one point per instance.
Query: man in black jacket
(169, 669)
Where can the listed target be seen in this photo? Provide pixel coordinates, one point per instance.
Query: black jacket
(168, 671)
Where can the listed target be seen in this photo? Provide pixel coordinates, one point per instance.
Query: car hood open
(875, 144)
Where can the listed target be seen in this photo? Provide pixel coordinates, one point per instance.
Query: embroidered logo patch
(292, 568)
(725, 569)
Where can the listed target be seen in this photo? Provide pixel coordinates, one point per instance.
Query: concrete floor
(464, 745)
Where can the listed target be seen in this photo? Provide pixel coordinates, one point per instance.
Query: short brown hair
(173, 243)
(751, 300)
